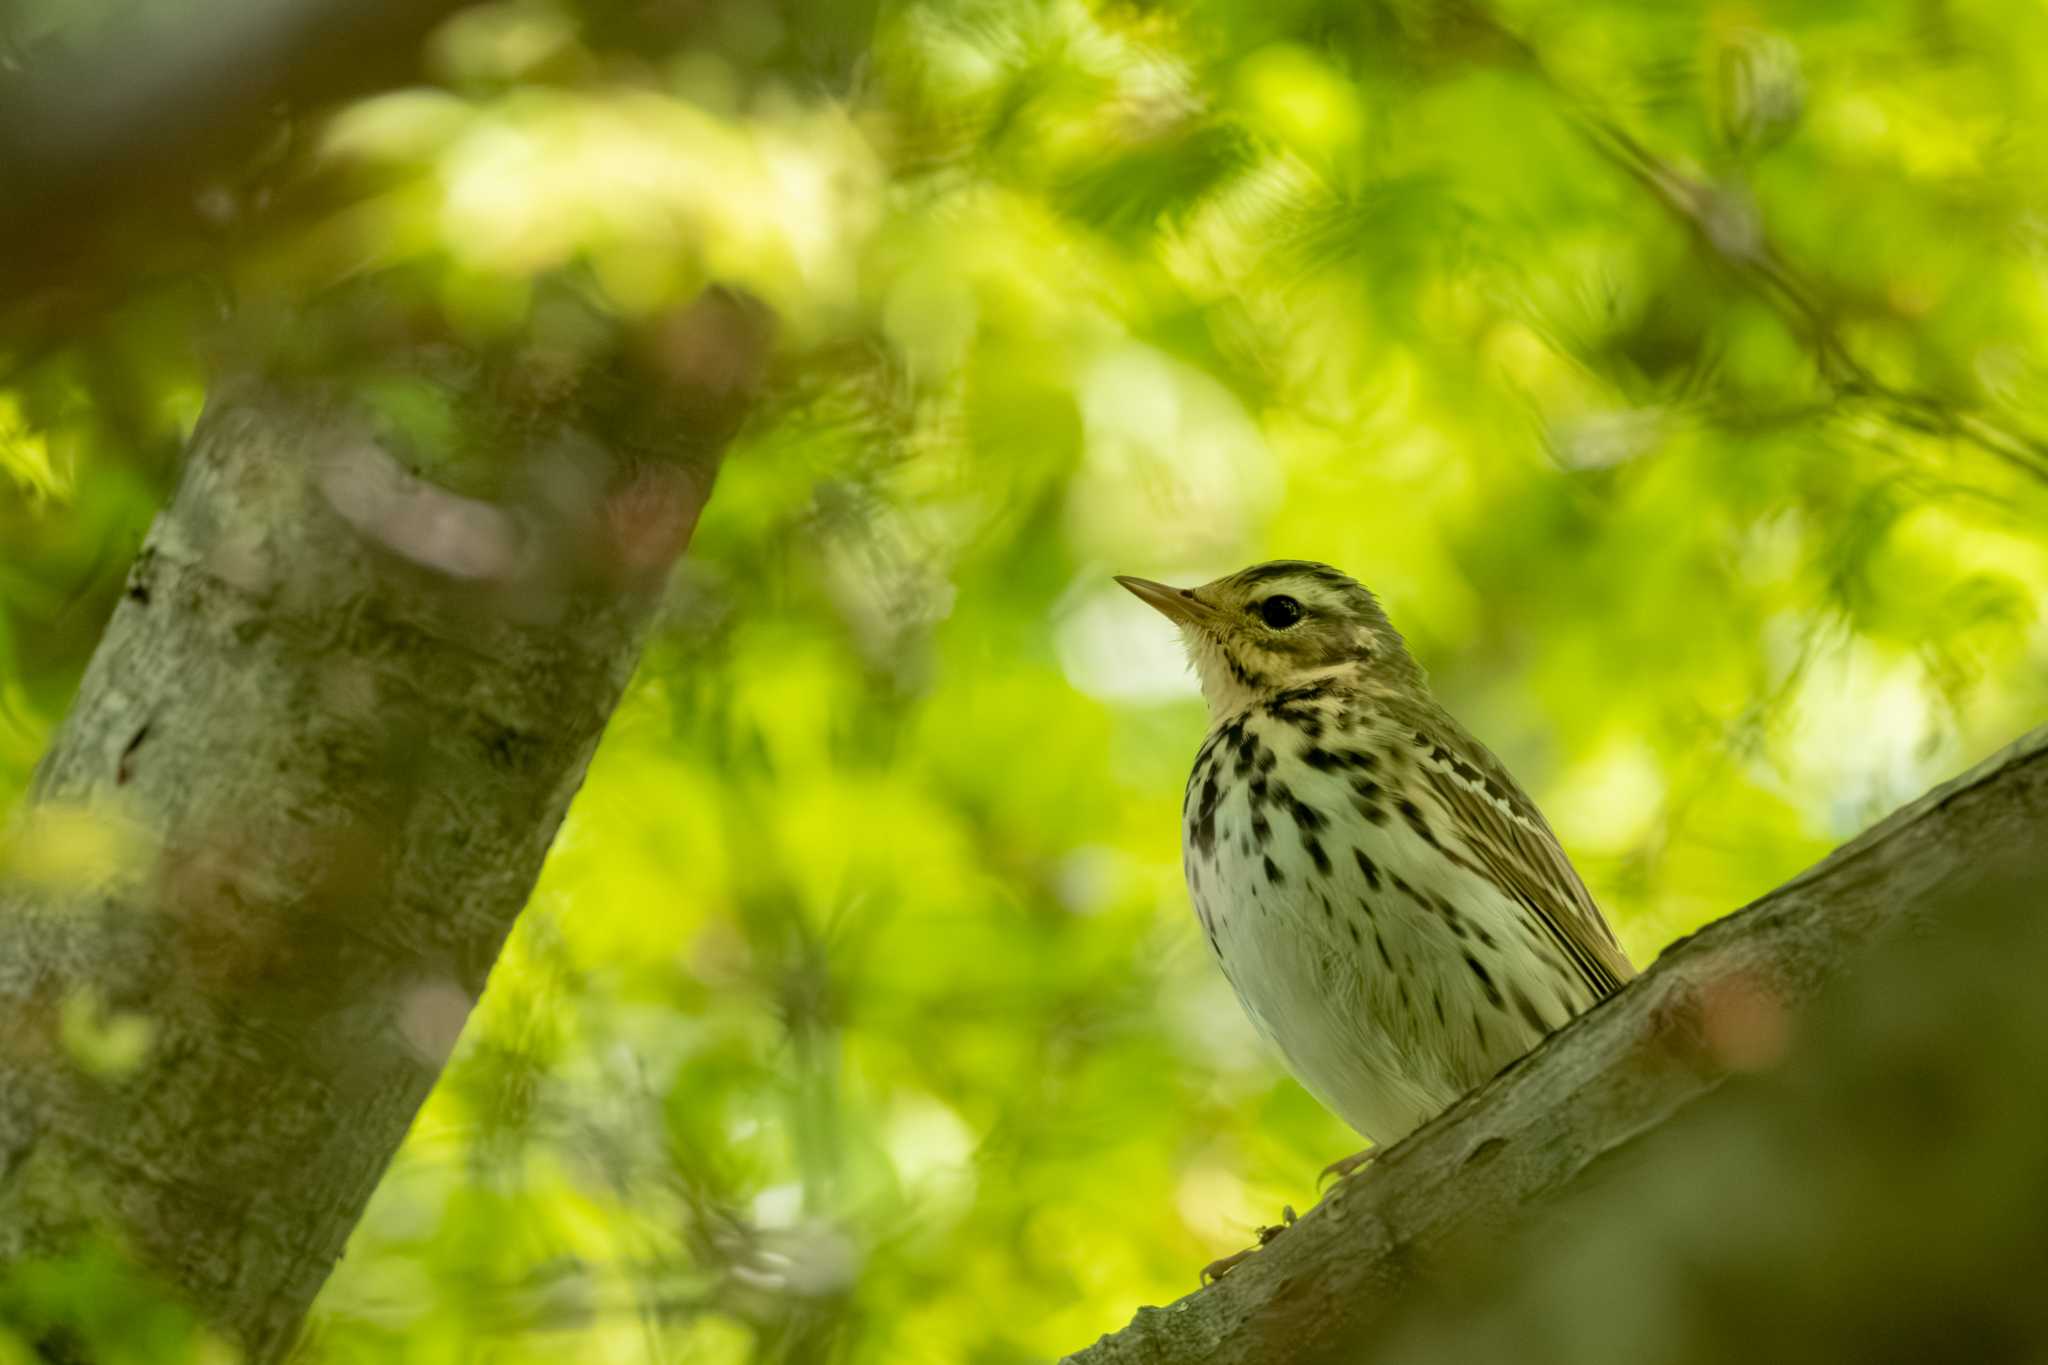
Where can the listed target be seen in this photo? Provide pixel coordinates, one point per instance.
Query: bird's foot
(1344, 1166)
(1216, 1270)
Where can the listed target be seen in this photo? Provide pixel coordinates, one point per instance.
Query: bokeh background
(1674, 372)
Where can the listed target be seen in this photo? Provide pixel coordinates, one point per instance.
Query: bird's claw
(1344, 1166)
(1217, 1269)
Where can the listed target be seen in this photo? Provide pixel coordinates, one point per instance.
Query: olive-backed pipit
(1394, 913)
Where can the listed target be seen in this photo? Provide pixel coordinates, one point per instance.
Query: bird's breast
(1383, 967)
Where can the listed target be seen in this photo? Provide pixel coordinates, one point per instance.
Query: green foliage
(1673, 375)
(92, 1305)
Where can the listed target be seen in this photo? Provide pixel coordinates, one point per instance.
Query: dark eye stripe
(1291, 568)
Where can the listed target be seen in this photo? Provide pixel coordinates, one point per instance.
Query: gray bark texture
(1804, 1133)
(323, 746)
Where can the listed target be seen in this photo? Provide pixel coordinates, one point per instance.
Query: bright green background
(1673, 372)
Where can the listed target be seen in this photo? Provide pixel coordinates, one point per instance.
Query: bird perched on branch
(1393, 912)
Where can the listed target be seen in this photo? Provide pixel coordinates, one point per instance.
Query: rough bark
(1336, 1286)
(324, 745)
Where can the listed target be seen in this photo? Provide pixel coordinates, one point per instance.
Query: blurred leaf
(1673, 379)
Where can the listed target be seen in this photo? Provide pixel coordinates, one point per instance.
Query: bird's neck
(1232, 696)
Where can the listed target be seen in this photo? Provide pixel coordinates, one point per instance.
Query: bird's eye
(1280, 612)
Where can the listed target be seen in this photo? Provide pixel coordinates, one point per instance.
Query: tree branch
(1341, 1274)
(319, 757)
(1729, 227)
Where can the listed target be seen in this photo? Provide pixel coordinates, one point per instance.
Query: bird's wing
(1513, 844)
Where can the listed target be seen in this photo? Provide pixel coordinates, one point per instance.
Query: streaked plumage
(1394, 913)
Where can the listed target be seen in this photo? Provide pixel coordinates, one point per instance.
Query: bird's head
(1279, 625)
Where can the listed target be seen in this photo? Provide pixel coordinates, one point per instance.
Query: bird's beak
(1178, 605)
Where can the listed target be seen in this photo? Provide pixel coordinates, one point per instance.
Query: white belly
(1385, 1007)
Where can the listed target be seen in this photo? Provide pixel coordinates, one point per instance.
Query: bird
(1393, 912)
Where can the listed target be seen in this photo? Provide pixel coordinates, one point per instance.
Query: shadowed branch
(1716, 1005)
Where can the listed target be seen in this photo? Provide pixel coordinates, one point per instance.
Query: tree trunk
(1503, 1231)
(317, 761)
